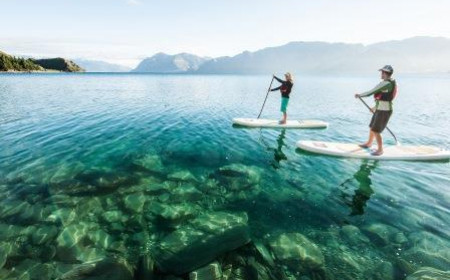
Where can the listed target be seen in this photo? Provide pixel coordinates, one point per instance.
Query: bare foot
(365, 146)
(282, 122)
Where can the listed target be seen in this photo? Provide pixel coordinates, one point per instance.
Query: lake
(136, 167)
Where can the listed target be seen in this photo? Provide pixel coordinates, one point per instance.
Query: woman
(285, 89)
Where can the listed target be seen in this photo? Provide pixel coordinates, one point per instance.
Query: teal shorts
(284, 104)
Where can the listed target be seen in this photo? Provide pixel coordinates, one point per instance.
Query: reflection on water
(278, 154)
(358, 200)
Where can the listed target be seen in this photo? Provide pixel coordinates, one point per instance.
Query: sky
(126, 31)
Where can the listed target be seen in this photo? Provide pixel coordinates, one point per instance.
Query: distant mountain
(101, 66)
(303, 57)
(164, 63)
(414, 55)
(58, 64)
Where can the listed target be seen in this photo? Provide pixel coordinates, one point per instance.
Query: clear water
(53, 127)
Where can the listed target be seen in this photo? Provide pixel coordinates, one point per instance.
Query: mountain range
(413, 55)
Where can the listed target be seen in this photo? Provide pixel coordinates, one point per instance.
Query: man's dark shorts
(380, 120)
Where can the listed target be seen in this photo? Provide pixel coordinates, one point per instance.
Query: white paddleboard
(389, 153)
(275, 124)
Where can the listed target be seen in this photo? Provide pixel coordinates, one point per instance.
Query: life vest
(286, 87)
(387, 95)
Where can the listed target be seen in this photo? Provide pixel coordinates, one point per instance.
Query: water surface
(55, 128)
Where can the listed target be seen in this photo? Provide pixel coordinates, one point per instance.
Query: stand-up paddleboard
(247, 122)
(418, 153)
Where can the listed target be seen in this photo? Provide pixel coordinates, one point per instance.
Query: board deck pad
(390, 152)
(248, 122)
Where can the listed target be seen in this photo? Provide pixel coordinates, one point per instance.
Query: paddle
(270, 86)
(393, 135)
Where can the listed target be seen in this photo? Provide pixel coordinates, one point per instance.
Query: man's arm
(380, 87)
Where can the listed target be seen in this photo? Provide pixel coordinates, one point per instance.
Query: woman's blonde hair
(289, 77)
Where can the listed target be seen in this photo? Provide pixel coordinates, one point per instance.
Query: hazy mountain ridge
(164, 63)
(413, 55)
(101, 66)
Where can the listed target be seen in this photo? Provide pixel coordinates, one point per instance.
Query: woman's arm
(274, 89)
(278, 79)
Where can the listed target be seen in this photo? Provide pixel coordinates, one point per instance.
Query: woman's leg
(283, 109)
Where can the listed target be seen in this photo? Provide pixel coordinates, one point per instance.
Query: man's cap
(387, 69)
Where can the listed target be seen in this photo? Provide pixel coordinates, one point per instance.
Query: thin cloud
(133, 2)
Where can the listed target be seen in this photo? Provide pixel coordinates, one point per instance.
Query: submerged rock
(264, 253)
(429, 273)
(172, 215)
(297, 252)
(380, 234)
(201, 241)
(232, 183)
(82, 242)
(66, 172)
(44, 234)
(184, 176)
(21, 211)
(113, 216)
(64, 216)
(428, 250)
(11, 208)
(211, 271)
(10, 231)
(62, 200)
(185, 192)
(354, 236)
(135, 202)
(150, 162)
(105, 269)
(93, 182)
(100, 238)
(383, 271)
(239, 176)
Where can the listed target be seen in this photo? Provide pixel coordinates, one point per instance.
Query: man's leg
(379, 139)
(284, 117)
(370, 140)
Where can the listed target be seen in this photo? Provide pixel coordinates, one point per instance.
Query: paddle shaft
(262, 108)
(370, 109)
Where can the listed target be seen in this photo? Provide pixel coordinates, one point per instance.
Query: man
(285, 89)
(383, 93)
